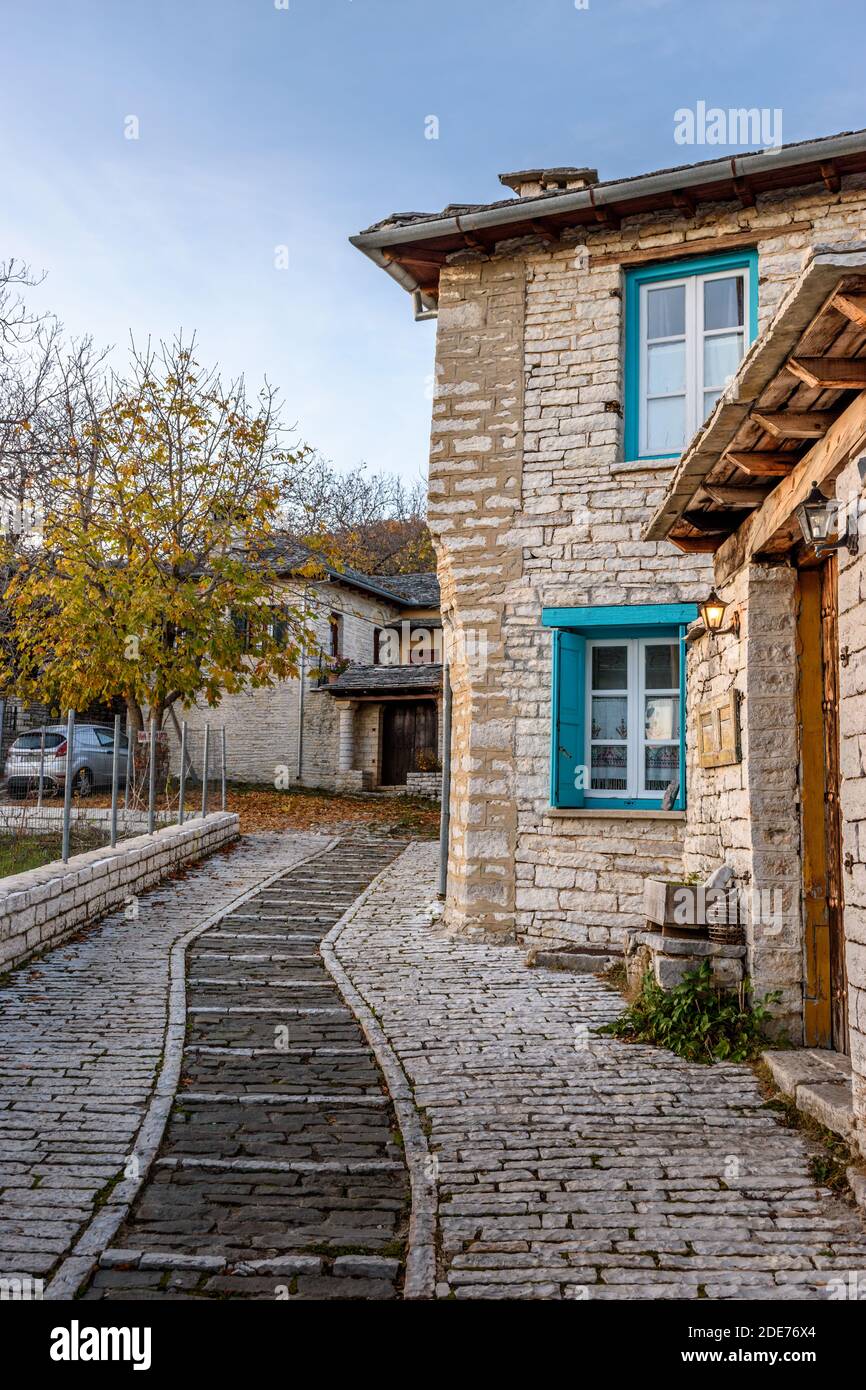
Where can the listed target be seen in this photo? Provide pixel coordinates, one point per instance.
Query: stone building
(586, 331)
(364, 712)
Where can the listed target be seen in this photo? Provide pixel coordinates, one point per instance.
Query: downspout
(301, 677)
(445, 815)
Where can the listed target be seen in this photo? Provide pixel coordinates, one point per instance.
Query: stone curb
(102, 1226)
(420, 1279)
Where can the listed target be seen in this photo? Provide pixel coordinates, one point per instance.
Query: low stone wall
(41, 907)
(424, 784)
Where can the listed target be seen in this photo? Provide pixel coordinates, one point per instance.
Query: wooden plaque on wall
(719, 731)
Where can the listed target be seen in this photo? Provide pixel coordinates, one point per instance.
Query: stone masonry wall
(852, 731)
(747, 815)
(534, 504)
(475, 495)
(41, 907)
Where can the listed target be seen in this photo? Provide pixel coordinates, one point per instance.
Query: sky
(271, 124)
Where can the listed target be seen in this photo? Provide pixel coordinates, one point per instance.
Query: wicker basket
(723, 922)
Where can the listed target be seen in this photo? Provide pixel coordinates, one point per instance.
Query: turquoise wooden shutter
(568, 722)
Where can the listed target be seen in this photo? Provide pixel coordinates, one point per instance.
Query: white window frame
(636, 694)
(694, 336)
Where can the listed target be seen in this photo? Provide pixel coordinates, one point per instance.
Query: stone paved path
(81, 1036)
(281, 1174)
(575, 1166)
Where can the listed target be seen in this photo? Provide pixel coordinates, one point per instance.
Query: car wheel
(83, 783)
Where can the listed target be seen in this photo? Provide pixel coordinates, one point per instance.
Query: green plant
(696, 1019)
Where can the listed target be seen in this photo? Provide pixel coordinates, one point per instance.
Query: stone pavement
(280, 1174)
(576, 1166)
(81, 1036)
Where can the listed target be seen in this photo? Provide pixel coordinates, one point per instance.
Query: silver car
(93, 751)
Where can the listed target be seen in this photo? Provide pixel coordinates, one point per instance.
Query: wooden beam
(853, 306)
(436, 258)
(831, 176)
(685, 202)
(795, 424)
(744, 193)
(735, 496)
(546, 232)
(829, 373)
(823, 460)
(757, 464)
(701, 246)
(474, 241)
(697, 545)
(714, 523)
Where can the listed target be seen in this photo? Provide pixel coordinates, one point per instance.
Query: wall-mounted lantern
(713, 611)
(819, 520)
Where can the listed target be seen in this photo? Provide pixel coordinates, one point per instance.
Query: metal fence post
(115, 770)
(67, 782)
(41, 786)
(204, 771)
(151, 786)
(182, 790)
(130, 765)
(223, 767)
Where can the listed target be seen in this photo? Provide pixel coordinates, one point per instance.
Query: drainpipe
(302, 677)
(445, 817)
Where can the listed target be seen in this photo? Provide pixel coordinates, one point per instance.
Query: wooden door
(832, 816)
(826, 1022)
(408, 729)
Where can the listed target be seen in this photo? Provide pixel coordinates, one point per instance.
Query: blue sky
(262, 127)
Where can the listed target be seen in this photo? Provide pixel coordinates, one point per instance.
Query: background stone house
(585, 332)
(373, 722)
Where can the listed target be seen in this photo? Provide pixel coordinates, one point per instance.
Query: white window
(693, 333)
(633, 716)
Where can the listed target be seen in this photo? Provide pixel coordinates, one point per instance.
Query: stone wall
(475, 498)
(852, 731)
(534, 504)
(747, 815)
(40, 908)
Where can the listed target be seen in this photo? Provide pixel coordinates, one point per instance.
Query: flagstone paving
(81, 1037)
(572, 1165)
(281, 1173)
(566, 1165)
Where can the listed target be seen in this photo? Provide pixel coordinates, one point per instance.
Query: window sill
(615, 813)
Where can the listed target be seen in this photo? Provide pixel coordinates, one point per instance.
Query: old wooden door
(826, 1004)
(408, 729)
(833, 817)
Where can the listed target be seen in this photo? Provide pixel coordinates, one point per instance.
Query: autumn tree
(369, 521)
(153, 579)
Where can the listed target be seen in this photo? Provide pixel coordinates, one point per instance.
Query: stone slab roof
(406, 590)
(423, 679)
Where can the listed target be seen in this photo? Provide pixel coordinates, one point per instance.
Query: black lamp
(713, 611)
(819, 520)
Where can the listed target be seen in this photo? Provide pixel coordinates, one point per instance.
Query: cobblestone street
(564, 1165)
(81, 1034)
(575, 1166)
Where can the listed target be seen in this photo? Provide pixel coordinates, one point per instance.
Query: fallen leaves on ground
(261, 808)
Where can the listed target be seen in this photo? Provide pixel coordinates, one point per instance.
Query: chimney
(530, 183)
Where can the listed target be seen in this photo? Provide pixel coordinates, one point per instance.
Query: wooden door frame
(817, 662)
(810, 718)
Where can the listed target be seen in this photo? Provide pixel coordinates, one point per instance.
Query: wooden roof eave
(759, 370)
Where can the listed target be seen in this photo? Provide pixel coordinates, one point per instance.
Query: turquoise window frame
(671, 270)
(571, 629)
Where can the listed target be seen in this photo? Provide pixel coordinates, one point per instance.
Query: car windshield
(35, 741)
